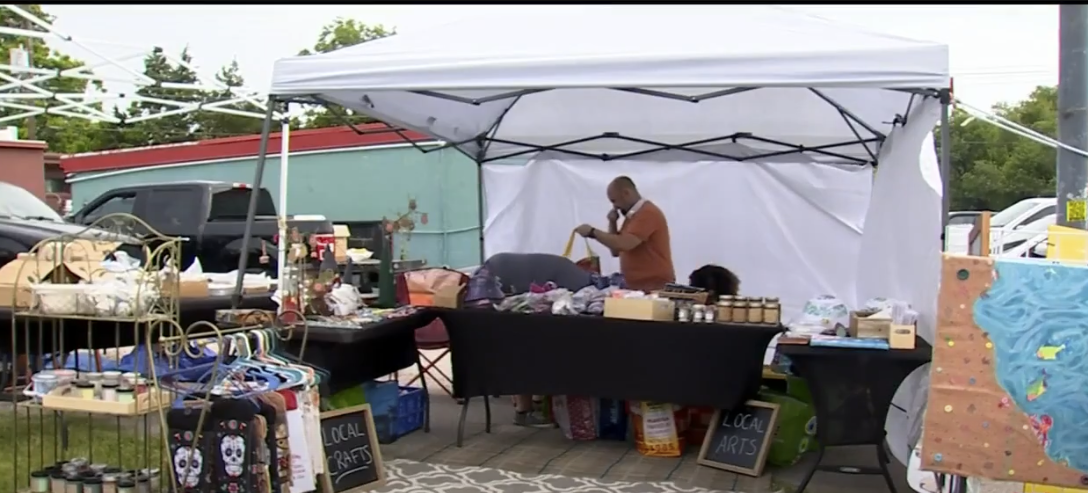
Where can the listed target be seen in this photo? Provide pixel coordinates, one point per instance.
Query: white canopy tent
(709, 83)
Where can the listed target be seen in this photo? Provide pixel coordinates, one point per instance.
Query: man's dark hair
(624, 182)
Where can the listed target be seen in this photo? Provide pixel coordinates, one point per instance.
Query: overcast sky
(999, 53)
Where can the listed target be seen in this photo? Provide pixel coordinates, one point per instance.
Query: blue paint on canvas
(1036, 316)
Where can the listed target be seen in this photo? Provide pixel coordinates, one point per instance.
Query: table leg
(426, 395)
(882, 456)
(487, 414)
(461, 424)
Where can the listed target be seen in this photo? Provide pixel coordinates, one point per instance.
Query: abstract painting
(1009, 381)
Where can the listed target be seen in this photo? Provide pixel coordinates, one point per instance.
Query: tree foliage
(993, 168)
(340, 33)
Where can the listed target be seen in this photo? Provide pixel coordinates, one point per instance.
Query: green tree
(993, 168)
(341, 33)
(62, 133)
(211, 124)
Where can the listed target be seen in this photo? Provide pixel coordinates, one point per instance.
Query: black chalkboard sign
(739, 440)
(352, 457)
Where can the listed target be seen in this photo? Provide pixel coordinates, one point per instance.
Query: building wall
(22, 165)
(357, 184)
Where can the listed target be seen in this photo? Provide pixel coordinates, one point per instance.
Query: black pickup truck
(211, 217)
(25, 221)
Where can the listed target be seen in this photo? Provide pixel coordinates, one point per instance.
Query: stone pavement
(532, 458)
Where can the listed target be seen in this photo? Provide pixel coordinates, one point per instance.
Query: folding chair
(417, 288)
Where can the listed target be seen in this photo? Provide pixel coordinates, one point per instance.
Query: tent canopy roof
(631, 79)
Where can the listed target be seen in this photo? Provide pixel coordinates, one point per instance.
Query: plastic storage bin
(382, 397)
(410, 411)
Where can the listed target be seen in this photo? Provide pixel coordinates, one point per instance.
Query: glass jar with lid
(725, 310)
(772, 311)
(740, 310)
(755, 311)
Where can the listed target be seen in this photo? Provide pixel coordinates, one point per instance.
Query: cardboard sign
(739, 440)
(353, 459)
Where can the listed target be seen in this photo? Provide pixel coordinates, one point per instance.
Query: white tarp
(583, 50)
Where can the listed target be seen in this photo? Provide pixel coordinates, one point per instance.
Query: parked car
(26, 220)
(1024, 239)
(210, 216)
(957, 218)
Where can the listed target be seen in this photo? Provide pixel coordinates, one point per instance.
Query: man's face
(620, 199)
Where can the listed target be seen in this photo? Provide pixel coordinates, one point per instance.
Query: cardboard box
(863, 326)
(640, 309)
(449, 297)
(901, 336)
(25, 270)
(187, 288)
(340, 248)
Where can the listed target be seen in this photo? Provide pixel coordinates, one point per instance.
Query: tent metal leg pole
(262, 155)
(946, 160)
(480, 206)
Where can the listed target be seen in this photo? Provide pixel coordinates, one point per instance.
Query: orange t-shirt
(648, 266)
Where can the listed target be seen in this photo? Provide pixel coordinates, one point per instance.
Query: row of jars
(77, 476)
(733, 309)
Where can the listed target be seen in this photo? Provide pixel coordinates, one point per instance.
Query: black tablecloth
(29, 331)
(852, 389)
(496, 353)
(354, 356)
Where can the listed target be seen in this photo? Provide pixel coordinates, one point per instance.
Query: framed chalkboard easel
(739, 440)
(353, 459)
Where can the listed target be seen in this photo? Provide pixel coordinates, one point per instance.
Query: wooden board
(739, 440)
(1007, 398)
(352, 454)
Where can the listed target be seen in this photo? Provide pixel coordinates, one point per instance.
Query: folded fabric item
(539, 289)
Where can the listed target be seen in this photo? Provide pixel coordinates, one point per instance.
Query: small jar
(740, 310)
(126, 394)
(39, 482)
(126, 485)
(143, 484)
(772, 312)
(92, 485)
(697, 313)
(141, 385)
(65, 376)
(755, 311)
(709, 314)
(683, 313)
(57, 481)
(109, 483)
(725, 310)
(85, 389)
(130, 377)
(109, 394)
(111, 377)
(44, 382)
(73, 484)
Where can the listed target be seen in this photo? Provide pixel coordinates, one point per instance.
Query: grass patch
(32, 439)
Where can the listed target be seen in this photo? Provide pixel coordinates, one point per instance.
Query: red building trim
(234, 147)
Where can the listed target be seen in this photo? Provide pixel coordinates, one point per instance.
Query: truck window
(118, 204)
(171, 211)
(233, 204)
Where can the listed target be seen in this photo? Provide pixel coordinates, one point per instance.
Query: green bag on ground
(352, 396)
(794, 432)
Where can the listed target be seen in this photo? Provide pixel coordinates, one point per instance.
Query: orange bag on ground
(591, 262)
(700, 422)
(659, 428)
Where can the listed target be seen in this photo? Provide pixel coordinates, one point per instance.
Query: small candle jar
(141, 385)
(697, 312)
(109, 394)
(57, 481)
(85, 389)
(92, 485)
(740, 310)
(725, 310)
(143, 483)
(73, 484)
(755, 312)
(709, 314)
(125, 394)
(130, 377)
(772, 312)
(126, 485)
(65, 376)
(109, 483)
(39, 482)
(111, 377)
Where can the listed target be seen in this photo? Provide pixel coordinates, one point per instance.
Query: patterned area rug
(404, 476)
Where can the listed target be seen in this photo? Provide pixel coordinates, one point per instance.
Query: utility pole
(1073, 114)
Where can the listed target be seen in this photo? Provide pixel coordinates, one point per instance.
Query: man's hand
(613, 215)
(583, 230)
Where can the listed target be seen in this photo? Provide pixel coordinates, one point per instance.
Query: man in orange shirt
(642, 243)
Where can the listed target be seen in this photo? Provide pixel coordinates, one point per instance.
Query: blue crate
(383, 397)
(410, 411)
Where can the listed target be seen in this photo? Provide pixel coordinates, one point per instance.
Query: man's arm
(613, 229)
(616, 242)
